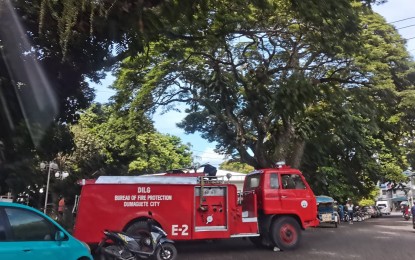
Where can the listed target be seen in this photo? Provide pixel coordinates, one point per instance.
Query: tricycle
(325, 210)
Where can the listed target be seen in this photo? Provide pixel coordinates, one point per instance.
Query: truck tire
(285, 233)
(141, 229)
(137, 228)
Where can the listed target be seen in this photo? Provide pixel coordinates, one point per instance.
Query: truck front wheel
(285, 233)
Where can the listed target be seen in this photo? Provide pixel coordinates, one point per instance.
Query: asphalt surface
(388, 237)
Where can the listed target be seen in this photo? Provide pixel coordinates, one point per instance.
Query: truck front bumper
(312, 223)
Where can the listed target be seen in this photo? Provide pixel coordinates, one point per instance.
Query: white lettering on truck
(122, 197)
(135, 204)
(176, 230)
(143, 190)
(142, 200)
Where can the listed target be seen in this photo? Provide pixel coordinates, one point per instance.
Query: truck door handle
(27, 250)
(283, 196)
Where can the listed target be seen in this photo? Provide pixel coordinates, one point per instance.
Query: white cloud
(209, 156)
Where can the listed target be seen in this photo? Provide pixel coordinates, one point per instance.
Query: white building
(236, 178)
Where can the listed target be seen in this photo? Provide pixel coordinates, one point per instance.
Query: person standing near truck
(61, 207)
(413, 215)
(350, 206)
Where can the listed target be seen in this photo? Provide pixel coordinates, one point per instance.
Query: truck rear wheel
(138, 228)
(286, 233)
(141, 229)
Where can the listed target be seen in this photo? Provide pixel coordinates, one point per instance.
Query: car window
(2, 229)
(29, 226)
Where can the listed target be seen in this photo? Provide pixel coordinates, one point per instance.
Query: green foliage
(241, 83)
(236, 167)
(366, 202)
(324, 85)
(371, 199)
(111, 142)
(271, 84)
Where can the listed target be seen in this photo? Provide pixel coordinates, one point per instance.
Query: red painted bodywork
(222, 212)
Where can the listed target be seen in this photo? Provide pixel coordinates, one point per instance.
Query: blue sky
(393, 11)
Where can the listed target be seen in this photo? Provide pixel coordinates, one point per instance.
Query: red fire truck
(274, 206)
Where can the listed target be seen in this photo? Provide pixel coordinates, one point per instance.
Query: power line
(409, 18)
(412, 25)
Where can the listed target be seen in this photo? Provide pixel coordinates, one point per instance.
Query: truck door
(296, 196)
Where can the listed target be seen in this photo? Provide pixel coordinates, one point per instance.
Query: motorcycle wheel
(166, 252)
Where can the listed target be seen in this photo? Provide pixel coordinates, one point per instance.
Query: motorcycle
(406, 215)
(151, 243)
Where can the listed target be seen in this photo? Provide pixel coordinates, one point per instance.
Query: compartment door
(211, 209)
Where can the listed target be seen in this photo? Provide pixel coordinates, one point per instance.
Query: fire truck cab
(274, 206)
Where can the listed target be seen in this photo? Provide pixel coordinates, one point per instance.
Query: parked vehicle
(385, 205)
(26, 233)
(276, 203)
(379, 212)
(358, 214)
(371, 211)
(384, 210)
(150, 241)
(326, 211)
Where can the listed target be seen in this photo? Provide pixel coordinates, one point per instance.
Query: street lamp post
(51, 167)
(61, 175)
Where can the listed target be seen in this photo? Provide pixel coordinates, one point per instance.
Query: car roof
(16, 205)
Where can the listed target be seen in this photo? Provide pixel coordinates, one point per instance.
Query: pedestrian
(350, 206)
(341, 212)
(413, 215)
(61, 207)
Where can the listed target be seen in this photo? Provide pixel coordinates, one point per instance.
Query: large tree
(247, 76)
(268, 85)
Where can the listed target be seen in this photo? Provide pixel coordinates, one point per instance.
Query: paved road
(389, 237)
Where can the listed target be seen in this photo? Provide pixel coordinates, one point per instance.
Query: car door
(28, 235)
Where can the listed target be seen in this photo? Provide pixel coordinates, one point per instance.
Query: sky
(400, 13)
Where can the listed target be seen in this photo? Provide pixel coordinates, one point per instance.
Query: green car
(28, 234)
